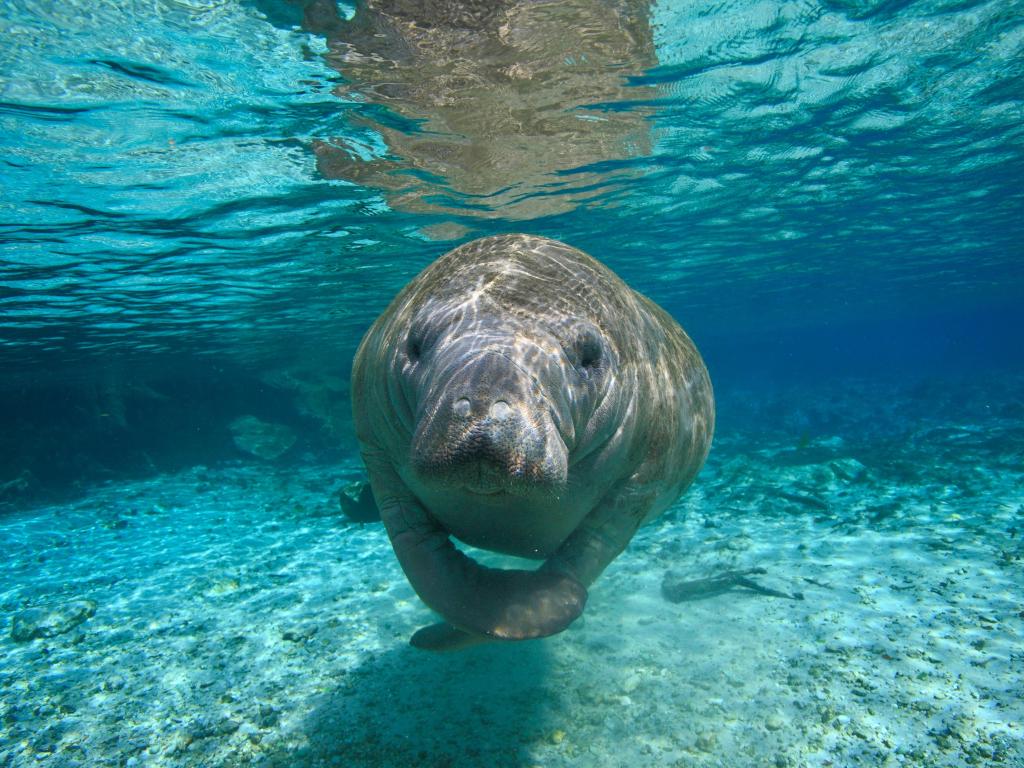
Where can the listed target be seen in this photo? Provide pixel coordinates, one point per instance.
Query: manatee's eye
(587, 351)
(413, 348)
(414, 345)
(424, 333)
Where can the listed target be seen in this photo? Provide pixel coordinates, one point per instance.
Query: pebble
(177, 744)
(299, 634)
(113, 683)
(50, 621)
(223, 587)
(204, 727)
(249, 731)
(268, 716)
(706, 741)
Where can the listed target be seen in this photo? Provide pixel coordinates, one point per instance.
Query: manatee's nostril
(501, 410)
(462, 407)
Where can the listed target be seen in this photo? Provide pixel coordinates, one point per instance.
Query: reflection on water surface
(489, 106)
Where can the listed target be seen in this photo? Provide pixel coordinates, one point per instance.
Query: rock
(249, 731)
(114, 522)
(706, 741)
(223, 586)
(261, 438)
(207, 726)
(49, 621)
(113, 683)
(848, 470)
(299, 634)
(632, 682)
(774, 722)
(268, 716)
(178, 743)
(18, 485)
(318, 394)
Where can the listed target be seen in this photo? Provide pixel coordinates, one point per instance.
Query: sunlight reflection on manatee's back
(521, 109)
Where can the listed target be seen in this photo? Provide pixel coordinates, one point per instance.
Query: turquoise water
(205, 205)
(819, 162)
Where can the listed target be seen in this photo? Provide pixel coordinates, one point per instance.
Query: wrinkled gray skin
(520, 397)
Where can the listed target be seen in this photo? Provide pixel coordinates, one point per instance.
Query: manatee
(519, 397)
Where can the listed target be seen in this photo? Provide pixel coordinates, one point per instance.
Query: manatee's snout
(485, 427)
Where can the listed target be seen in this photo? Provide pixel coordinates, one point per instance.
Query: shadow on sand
(482, 706)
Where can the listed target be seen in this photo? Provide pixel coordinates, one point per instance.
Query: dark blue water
(205, 205)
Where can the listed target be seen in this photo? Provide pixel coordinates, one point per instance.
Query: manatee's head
(501, 402)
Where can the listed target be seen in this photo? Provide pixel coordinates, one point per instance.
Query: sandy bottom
(240, 621)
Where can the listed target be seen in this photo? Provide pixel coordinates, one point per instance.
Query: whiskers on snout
(504, 452)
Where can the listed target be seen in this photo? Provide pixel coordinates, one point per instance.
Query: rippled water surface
(254, 178)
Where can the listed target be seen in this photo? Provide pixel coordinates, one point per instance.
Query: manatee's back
(676, 391)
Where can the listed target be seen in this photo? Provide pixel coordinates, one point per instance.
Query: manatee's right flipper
(498, 604)
(602, 534)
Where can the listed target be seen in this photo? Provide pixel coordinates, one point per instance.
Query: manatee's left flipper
(499, 604)
(362, 509)
(602, 535)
